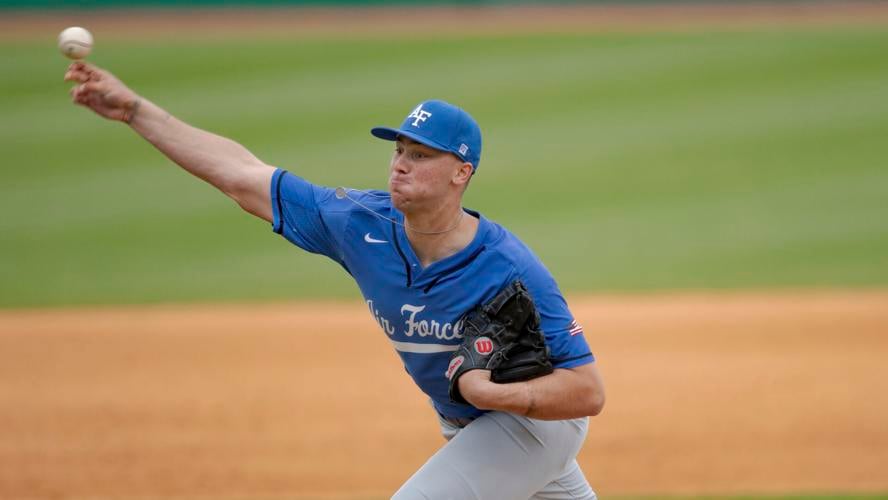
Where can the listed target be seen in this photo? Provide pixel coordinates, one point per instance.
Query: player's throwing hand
(102, 92)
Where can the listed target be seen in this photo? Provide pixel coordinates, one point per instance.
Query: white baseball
(75, 42)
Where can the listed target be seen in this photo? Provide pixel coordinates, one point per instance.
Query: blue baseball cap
(442, 126)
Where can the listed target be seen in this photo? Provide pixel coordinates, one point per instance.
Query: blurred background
(695, 147)
(718, 168)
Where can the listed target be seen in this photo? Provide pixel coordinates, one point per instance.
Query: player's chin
(400, 201)
(400, 194)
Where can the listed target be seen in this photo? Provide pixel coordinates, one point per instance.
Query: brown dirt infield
(717, 393)
(440, 21)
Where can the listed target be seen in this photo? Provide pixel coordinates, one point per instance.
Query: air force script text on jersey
(413, 324)
(419, 308)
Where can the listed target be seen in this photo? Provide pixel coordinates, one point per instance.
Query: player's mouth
(394, 181)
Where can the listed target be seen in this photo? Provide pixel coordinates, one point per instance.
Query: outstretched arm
(221, 162)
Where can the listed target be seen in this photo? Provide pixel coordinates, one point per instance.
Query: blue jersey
(419, 308)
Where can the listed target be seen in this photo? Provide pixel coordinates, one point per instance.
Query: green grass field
(629, 162)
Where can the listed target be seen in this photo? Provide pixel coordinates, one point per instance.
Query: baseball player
(421, 261)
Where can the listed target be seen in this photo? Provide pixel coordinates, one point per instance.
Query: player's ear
(463, 174)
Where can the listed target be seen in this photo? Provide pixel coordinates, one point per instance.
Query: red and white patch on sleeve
(574, 328)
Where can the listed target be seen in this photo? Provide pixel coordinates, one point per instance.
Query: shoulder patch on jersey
(574, 328)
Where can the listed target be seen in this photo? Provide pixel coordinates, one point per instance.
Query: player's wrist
(529, 400)
(474, 386)
(131, 110)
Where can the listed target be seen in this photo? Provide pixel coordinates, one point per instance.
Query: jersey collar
(422, 276)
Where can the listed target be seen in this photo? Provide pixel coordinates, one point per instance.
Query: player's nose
(400, 164)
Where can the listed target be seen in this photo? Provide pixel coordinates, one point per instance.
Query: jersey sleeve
(564, 336)
(308, 215)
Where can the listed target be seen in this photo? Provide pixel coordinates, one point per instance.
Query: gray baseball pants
(501, 456)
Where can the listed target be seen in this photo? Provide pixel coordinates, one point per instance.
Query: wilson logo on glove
(483, 345)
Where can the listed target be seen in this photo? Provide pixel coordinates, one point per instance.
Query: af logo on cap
(419, 114)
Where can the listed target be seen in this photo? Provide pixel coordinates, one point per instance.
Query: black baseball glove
(503, 336)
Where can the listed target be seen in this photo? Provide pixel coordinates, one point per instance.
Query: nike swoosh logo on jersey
(368, 239)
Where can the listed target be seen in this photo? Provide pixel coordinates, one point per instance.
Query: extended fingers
(94, 86)
(80, 71)
(76, 76)
(84, 90)
(78, 96)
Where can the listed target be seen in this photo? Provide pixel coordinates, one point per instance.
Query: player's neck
(453, 230)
